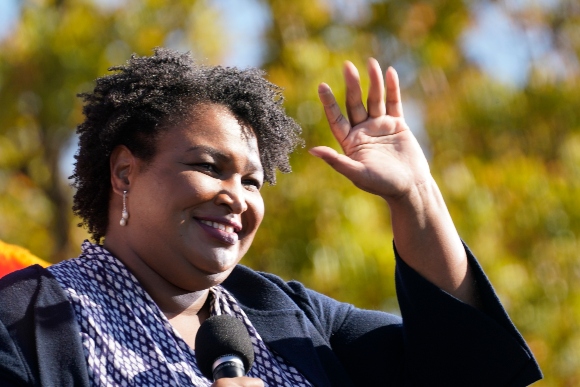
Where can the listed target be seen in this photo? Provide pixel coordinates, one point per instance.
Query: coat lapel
(286, 333)
(285, 328)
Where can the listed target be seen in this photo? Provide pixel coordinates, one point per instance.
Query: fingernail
(323, 88)
(314, 152)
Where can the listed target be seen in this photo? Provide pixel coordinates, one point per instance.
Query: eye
(206, 166)
(252, 183)
(203, 167)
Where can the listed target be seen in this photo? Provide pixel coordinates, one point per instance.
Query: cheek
(256, 207)
(188, 189)
(251, 221)
(171, 196)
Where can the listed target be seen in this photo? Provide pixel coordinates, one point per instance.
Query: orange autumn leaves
(14, 257)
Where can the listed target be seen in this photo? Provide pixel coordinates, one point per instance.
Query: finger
(394, 104)
(339, 162)
(376, 98)
(338, 123)
(354, 107)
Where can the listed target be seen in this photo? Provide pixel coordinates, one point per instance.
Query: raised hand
(381, 155)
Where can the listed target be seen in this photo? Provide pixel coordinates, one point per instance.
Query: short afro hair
(146, 96)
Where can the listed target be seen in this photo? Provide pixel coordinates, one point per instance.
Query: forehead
(212, 125)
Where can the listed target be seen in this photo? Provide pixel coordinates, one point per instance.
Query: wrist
(421, 199)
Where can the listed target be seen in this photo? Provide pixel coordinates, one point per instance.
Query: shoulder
(28, 273)
(21, 294)
(27, 286)
(24, 280)
(39, 338)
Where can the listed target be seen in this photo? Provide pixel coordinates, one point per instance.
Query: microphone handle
(229, 366)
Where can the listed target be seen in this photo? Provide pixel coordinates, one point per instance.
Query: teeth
(219, 226)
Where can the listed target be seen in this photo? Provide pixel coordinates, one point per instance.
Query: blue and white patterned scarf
(129, 341)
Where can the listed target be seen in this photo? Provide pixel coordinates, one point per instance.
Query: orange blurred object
(14, 257)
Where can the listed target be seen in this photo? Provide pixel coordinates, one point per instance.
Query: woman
(171, 161)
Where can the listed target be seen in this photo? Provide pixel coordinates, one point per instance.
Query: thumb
(339, 162)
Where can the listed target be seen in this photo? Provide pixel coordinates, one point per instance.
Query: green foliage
(506, 159)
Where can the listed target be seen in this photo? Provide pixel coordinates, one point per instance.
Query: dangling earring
(124, 214)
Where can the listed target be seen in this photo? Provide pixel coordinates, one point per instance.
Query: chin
(208, 281)
(221, 264)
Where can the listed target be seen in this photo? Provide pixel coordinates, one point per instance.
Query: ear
(123, 165)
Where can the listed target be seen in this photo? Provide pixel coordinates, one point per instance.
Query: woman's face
(195, 208)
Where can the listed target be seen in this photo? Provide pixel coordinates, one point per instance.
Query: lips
(225, 232)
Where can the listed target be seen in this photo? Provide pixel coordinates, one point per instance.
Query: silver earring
(124, 214)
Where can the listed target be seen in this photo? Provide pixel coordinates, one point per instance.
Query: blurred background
(490, 88)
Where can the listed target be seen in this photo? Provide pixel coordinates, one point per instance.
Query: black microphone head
(220, 336)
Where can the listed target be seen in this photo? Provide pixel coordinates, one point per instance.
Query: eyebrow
(221, 156)
(209, 150)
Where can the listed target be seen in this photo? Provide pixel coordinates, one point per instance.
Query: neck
(187, 304)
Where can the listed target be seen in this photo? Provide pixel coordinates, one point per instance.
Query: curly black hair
(146, 96)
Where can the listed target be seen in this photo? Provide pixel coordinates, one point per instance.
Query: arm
(381, 156)
(439, 341)
(442, 339)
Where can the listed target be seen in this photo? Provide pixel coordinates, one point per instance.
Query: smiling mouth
(219, 226)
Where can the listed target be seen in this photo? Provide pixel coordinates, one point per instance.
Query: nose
(232, 194)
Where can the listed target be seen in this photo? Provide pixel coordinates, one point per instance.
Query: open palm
(381, 155)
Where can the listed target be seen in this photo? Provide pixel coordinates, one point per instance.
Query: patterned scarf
(129, 341)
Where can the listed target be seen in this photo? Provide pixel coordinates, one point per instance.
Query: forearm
(427, 241)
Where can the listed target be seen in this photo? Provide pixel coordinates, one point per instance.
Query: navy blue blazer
(439, 341)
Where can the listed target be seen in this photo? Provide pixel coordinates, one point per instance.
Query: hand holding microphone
(238, 382)
(224, 352)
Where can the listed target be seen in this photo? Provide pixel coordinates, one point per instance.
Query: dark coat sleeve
(439, 341)
(39, 337)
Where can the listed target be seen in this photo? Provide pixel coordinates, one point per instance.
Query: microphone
(223, 348)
